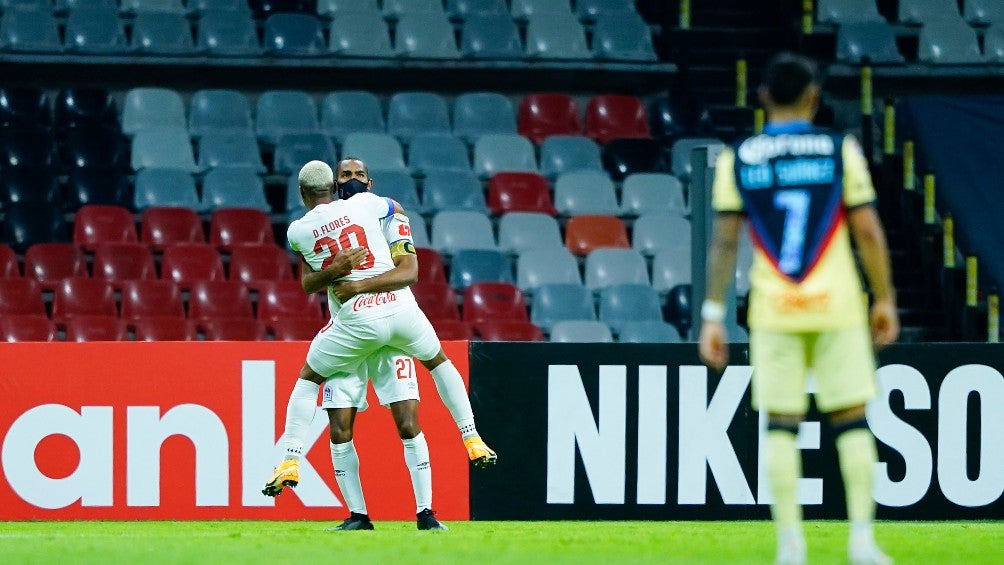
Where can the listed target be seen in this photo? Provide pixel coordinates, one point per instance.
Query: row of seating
(947, 41)
(911, 12)
(30, 327)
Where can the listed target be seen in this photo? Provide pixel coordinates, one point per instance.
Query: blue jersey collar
(790, 126)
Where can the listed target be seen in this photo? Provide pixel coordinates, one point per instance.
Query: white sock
(416, 456)
(450, 386)
(299, 414)
(345, 460)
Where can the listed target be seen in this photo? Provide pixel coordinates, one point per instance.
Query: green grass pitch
(277, 543)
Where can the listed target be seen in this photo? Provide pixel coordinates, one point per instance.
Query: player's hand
(347, 259)
(713, 345)
(884, 323)
(345, 290)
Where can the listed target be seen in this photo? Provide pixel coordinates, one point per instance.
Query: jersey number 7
(344, 241)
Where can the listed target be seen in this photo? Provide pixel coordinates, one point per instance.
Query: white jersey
(355, 222)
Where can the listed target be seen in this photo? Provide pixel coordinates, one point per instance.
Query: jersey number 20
(344, 241)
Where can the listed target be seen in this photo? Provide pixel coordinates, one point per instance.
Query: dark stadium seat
(230, 149)
(236, 187)
(285, 299)
(490, 36)
(216, 299)
(479, 265)
(666, 120)
(199, 7)
(120, 262)
(345, 111)
(108, 187)
(95, 224)
(9, 267)
(151, 298)
(333, 8)
(519, 192)
(160, 188)
(161, 33)
(85, 107)
(437, 300)
(30, 186)
(161, 227)
(24, 226)
(874, 41)
(453, 330)
(49, 263)
(678, 308)
(543, 114)
(95, 31)
(140, 7)
(27, 328)
(29, 31)
(95, 328)
(263, 8)
(508, 330)
(64, 7)
(78, 296)
(463, 9)
(26, 148)
(612, 116)
(294, 150)
(486, 301)
(93, 147)
(253, 264)
(21, 296)
(294, 35)
(622, 157)
(24, 108)
(227, 34)
(588, 232)
(430, 266)
(597, 10)
(187, 263)
(623, 37)
(237, 226)
(232, 329)
(294, 329)
(163, 328)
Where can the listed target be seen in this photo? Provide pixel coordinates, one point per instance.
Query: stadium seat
(649, 331)
(219, 111)
(227, 34)
(454, 230)
(160, 33)
(654, 231)
(97, 224)
(557, 302)
(581, 331)
(162, 227)
(556, 36)
(216, 299)
(501, 152)
(281, 112)
(565, 153)
(85, 106)
(519, 192)
(264, 8)
(419, 231)
(29, 186)
(200, 7)
(426, 35)
(430, 152)
(186, 263)
(671, 266)
(294, 329)
(993, 44)
(490, 37)
(49, 263)
(159, 328)
(360, 35)
(846, 11)
(470, 266)
(585, 192)
(95, 31)
(24, 108)
(295, 150)
(682, 154)
(453, 330)
(146, 108)
(331, 8)
(95, 328)
(544, 114)
(678, 309)
(623, 157)
(26, 148)
(607, 267)
(536, 267)
(140, 7)
(163, 148)
(520, 231)
(923, 12)
(380, 151)
(151, 299)
(478, 113)
(623, 37)
(79, 296)
(614, 116)
(598, 10)
(232, 329)
(9, 267)
(585, 233)
(523, 9)
(237, 226)
(395, 9)
(230, 149)
(398, 185)
(462, 9)
(644, 193)
(21, 296)
(253, 264)
(294, 36)
(487, 301)
(623, 303)
(453, 190)
(159, 188)
(430, 266)
(983, 12)
(24, 226)
(278, 299)
(120, 262)
(437, 300)
(97, 186)
(508, 330)
(93, 148)
(27, 328)
(347, 111)
(29, 31)
(234, 188)
(949, 41)
(871, 41)
(64, 7)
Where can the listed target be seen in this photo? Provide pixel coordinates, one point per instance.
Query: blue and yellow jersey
(795, 184)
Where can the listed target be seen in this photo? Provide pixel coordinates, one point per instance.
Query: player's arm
(341, 265)
(397, 230)
(866, 228)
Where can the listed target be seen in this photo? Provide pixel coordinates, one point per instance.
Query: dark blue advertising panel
(632, 431)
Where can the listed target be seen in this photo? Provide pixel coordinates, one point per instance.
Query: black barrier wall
(629, 431)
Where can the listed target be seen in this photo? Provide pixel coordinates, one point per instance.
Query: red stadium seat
(49, 263)
(449, 330)
(96, 223)
(185, 263)
(232, 329)
(294, 329)
(96, 328)
(613, 116)
(437, 300)
(431, 268)
(8, 263)
(508, 330)
(77, 296)
(286, 299)
(487, 301)
(234, 226)
(519, 192)
(120, 262)
(20, 297)
(219, 299)
(27, 328)
(161, 227)
(146, 298)
(587, 232)
(252, 264)
(163, 328)
(544, 114)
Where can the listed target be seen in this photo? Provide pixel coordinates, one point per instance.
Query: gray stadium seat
(623, 37)
(232, 149)
(397, 185)
(470, 266)
(983, 12)
(347, 111)
(96, 31)
(227, 34)
(523, 9)
(199, 7)
(293, 199)
(949, 41)
(682, 152)
(552, 36)
(566, 153)
(360, 35)
(419, 230)
(651, 331)
(412, 113)
(623, 303)
(609, 266)
(162, 34)
(581, 331)
(221, 111)
(294, 35)
(233, 188)
(146, 108)
(453, 190)
(597, 10)
(165, 188)
(557, 302)
(378, 150)
(497, 152)
(478, 113)
(846, 11)
(643, 193)
(331, 8)
(163, 148)
(585, 192)
(294, 151)
(874, 41)
(281, 112)
(454, 230)
(655, 230)
(425, 36)
(521, 231)
(671, 266)
(437, 152)
(396, 9)
(490, 36)
(29, 31)
(994, 43)
(920, 12)
(152, 6)
(463, 9)
(546, 265)
(64, 7)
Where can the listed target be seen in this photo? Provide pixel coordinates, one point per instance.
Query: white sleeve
(378, 206)
(397, 228)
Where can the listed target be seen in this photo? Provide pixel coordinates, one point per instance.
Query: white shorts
(341, 347)
(393, 376)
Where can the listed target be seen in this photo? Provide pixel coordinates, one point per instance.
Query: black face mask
(351, 187)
